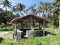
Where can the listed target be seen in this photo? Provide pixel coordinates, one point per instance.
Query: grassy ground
(44, 40)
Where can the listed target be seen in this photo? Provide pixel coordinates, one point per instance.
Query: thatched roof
(20, 19)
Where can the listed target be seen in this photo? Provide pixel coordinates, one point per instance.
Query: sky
(27, 3)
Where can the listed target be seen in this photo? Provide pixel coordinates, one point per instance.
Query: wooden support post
(15, 27)
(15, 32)
(43, 28)
(39, 25)
(21, 25)
(33, 23)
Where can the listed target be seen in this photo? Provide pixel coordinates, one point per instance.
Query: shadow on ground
(1, 39)
(46, 33)
(40, 33)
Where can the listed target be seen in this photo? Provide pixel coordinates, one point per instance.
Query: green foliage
(6, 29)
(56, 20)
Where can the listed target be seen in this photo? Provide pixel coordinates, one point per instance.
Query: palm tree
(32, 8)
(14, 10)
(43, 7)
(40, 10)
(6, 4)
(20, 7)
(48, 8)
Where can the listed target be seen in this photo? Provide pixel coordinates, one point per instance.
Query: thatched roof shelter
(28, 22)
(21, 19)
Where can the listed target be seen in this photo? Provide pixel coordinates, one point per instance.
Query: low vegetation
(53, 40)
(44, 40)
